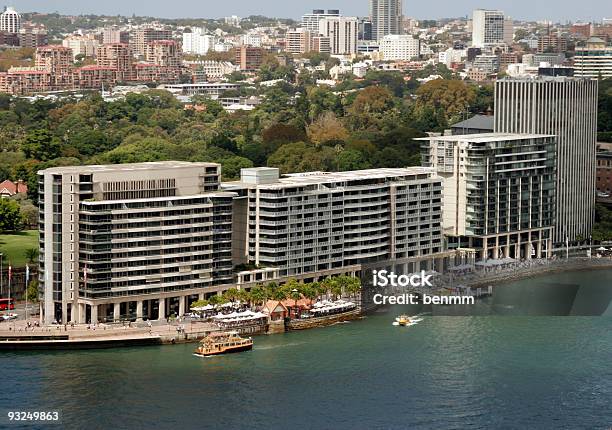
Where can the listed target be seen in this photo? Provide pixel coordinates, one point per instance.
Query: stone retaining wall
(323, 321)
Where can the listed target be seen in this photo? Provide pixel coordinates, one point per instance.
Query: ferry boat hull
(228, 350)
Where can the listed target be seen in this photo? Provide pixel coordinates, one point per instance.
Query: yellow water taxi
(403, 320)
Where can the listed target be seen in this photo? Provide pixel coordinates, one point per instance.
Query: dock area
(18, 336)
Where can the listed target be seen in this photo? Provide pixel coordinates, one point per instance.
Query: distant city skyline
(588, 10)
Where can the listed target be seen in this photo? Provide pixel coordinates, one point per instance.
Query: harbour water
(503, 371)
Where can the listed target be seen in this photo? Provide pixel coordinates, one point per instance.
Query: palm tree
(258, 296)
(31, 254)
(217, 300)
(295, 295)
(199, 304)
(232, 294)
(353, 285)
(310, 291)
(280, 294)
(328, 285)
(245, 297)
(318, 288)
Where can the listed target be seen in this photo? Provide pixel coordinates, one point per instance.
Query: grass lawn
(13, 247)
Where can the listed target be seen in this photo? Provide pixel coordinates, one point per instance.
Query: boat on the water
(405, 320)
(223, 343)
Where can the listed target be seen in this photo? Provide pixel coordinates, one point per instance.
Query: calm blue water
(477, 372)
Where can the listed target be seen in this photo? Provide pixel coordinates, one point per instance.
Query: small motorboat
(405, 320)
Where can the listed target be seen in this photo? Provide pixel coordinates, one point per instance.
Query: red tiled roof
(13, 188)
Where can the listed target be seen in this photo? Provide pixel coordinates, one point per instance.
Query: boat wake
(263, 348)
(413, 321)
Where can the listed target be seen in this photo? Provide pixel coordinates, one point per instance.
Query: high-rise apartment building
(487, 63)
(310, 21)
(143, 36)
(365, 29)
(552, 43)
(10, 20)
(197, 41)
(81, 45)
(146, 240)
(499, 192)
(119, 57)
(164, 53)
(321, 44)
(311, 225)
(491, 27)
(56, 60)
(135, 239)
(299, 41)
(114, 35)
(594, 60)
(33, 36)
(566, 108)
(386, 17)
(342, 32)
(249, 58)
(399, 47)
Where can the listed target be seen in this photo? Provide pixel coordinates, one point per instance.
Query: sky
(558, 11)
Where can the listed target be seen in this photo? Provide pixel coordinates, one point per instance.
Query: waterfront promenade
(105, 334)
(524, 269)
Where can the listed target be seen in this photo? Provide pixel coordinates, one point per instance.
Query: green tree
(325, 129)
(258, 295)
(230, 167)
(310, 292)
(32, 291)
(217, 299)
(302, 157)
(41, 145)
(452, 96)
(351, 159)
(199, 304)
(11, 218)
(371, 109)
(31, 254)
(231, 294)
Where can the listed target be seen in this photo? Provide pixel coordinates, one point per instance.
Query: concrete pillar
(94, 314)
(528, 251)
(181, 310)
(201, 296)
(139, 310)
(82, 315)
(65, 317)
(162, 308)
(116, 311)
(539, 249)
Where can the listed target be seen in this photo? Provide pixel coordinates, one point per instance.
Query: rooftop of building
(153, 165)
(485, 137)
(477, 122)
(531, 78)
(272, 180)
